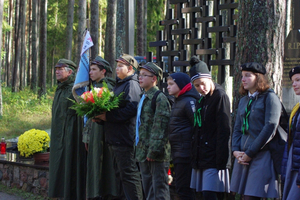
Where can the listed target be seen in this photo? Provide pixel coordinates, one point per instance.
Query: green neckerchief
(197, 115)
(246, 117)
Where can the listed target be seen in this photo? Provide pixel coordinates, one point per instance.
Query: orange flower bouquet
(96, 101)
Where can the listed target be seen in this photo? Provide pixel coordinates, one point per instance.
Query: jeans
(155, 180)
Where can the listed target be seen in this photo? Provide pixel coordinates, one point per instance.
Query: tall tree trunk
(81, 28)
(43, 49)
(52, 77)
(100, 31)
(260, 38)
(29, 43)
(145, 26)
(34, 46)
(69, 29)
(120, 35)
(16, 67)
(95, 27)
(140, 28)
(23, 43)
(110, 34)
(1, 18)
(9, 45)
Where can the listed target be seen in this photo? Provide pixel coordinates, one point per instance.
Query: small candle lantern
(3, 146)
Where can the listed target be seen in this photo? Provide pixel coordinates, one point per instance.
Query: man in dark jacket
(66, 167)
(119, 127)
(180, 131)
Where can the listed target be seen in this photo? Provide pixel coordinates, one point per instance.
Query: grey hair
(69, 69)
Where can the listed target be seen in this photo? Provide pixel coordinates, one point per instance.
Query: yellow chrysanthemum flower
(33, 141)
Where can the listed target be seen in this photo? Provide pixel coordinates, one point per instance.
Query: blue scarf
(138, 120)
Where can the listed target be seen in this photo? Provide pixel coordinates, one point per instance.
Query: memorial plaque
(291, 55)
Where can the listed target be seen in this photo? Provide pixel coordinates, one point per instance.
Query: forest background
(36, 33)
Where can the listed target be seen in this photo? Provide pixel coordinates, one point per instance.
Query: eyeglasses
(144, 75)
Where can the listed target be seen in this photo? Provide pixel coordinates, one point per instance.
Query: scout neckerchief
(197, 114)
(138, 119)
(245, 126)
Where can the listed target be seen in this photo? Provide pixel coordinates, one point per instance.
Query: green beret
(66, 63)
(101, 62)
(153, 68)
(128, 60)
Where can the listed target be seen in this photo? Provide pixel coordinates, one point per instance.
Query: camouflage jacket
(153, 131)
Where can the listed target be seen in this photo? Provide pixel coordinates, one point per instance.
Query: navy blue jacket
(295, 140)
(181, 125)
(120, 124)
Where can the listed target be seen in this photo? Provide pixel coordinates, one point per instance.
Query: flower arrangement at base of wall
(33, 141)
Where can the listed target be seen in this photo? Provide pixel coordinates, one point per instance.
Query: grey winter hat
(198, 69)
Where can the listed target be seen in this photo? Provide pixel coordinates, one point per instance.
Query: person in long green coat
(67, 154)
(101, 180)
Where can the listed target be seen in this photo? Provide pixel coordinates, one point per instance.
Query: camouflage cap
(66, 63)
(101, 62)
(128, 60)
(153, 68)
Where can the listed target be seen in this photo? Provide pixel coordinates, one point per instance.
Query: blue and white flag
(82, 76)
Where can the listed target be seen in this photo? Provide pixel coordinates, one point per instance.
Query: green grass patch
(23, 111)
(20, 193)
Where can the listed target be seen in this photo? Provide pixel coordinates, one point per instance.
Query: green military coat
(153, 131)
(67, 154)
(101, 179)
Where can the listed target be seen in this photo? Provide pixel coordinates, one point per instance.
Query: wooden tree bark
(69, 29)
(110, 34)
(81, 28)
(34, 46)
(140, 28)
(29, 43)
(9, 45)
(16, 67)
(53, 52)
(23, 43)
(43, 48)
(120, 34)
(1, 18)
(94, 27)
(145, 26)
(260, 38)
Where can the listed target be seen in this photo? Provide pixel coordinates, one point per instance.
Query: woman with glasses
(257, 117)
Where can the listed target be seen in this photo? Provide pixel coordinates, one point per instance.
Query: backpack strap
(153, 102)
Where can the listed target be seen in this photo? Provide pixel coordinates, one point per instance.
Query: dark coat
(67, 153)
(295, 140)
(210, 144)
(100, 180)
(120, 124)
(181, 124)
